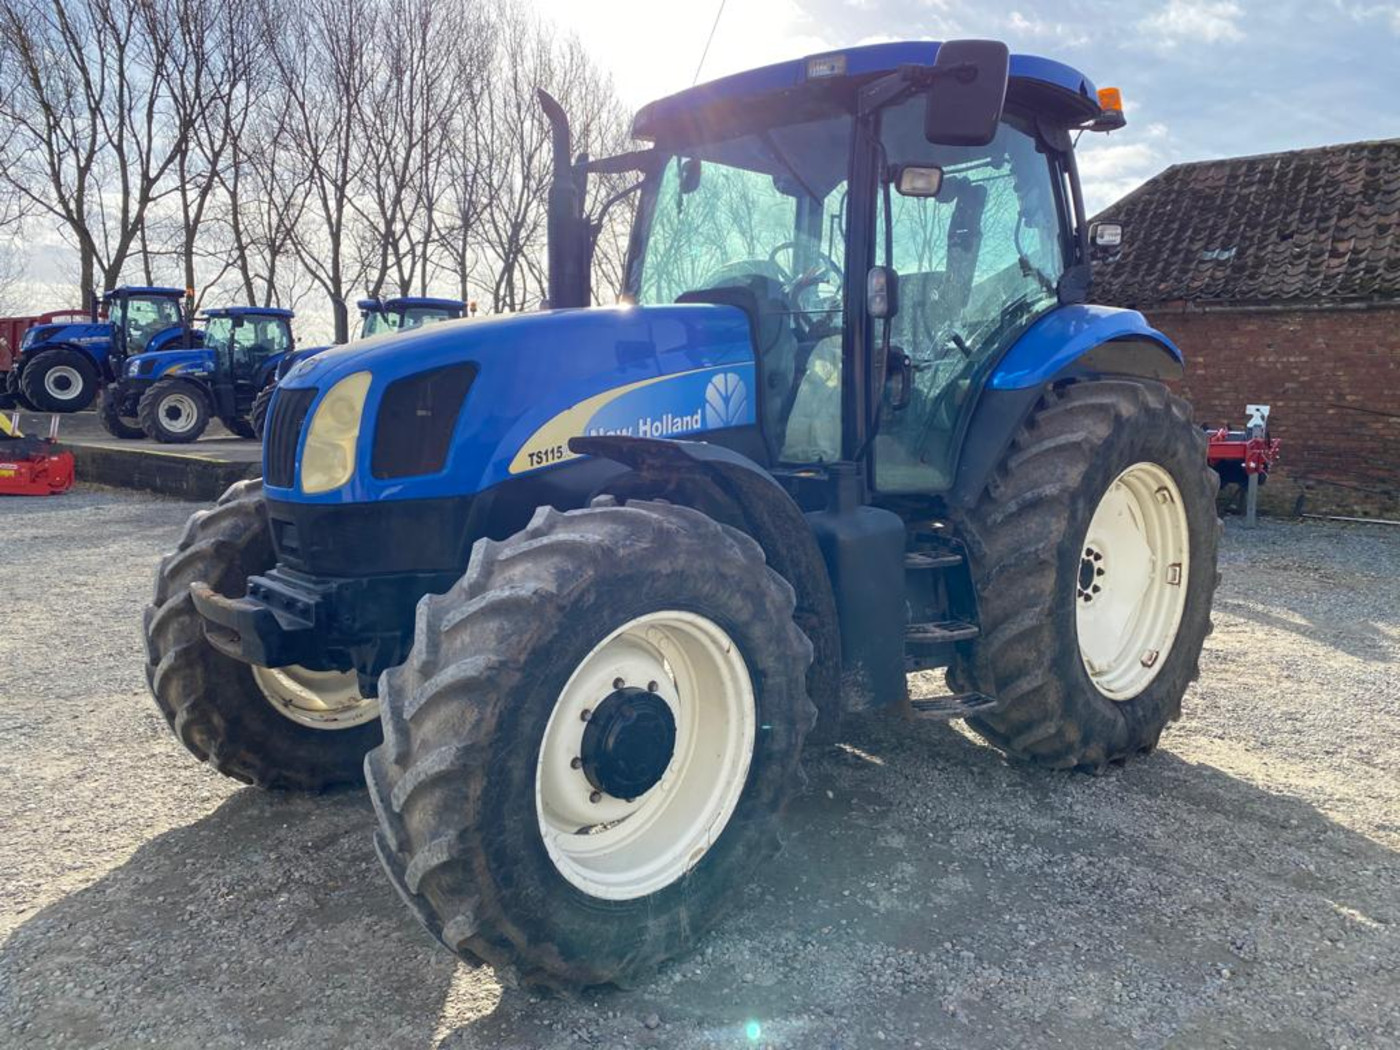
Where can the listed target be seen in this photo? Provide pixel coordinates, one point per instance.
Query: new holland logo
(726, 401)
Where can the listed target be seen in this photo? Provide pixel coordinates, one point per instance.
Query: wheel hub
(628, 742)
(1091, 568)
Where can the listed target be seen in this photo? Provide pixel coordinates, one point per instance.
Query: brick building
(1279, 277)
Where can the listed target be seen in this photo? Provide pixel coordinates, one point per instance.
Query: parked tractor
(12, 330)
(581, 583)
(62, 366)
(171, 395)
(377, 317)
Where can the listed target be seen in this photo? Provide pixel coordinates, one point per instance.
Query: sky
(1200, 78)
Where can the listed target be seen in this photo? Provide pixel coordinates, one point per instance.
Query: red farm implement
(31, 466)
(1244, 456)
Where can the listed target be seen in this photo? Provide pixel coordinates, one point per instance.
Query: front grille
(285, 417)
(416, 418)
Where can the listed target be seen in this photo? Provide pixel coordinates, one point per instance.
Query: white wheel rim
(1131, 587)
(620, 850)
(318, 699)
(63, 383)
(178, 412)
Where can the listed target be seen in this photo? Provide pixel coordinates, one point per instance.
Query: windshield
(377, 322)
(763, 214)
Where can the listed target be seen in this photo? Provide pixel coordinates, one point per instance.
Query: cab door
(978, 262)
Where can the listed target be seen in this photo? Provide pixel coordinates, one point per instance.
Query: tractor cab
(404, 313)
(248, 343)
(144, 319)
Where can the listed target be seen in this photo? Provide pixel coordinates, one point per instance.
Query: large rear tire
(581, 623)
(1093, 549)
(117, 414)
(257, 418)
(59, 381)
(287, 728)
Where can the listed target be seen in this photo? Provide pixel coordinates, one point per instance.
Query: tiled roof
(1314, 225)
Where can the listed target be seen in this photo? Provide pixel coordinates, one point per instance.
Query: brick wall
(1332, 378)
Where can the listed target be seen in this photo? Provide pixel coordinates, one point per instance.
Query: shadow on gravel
(268, 922)
(1362, 639)
(927, 890)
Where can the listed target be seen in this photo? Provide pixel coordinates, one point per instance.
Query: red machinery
(30, 466)
(1236, 454)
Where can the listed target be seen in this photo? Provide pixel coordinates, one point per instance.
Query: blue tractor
(61, 367)
(377, 317)
(582, 582)
(171, 395)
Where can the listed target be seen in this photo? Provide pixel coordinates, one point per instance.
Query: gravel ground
(1239, 888)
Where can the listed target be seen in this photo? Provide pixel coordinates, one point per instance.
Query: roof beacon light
(823, 66)
(1111, 103)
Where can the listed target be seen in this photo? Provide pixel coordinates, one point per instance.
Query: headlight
(133, 368)
(328, 457)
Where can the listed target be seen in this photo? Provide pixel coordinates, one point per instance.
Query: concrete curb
(182, 476)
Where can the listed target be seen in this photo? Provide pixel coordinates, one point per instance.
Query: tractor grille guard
(284, 422)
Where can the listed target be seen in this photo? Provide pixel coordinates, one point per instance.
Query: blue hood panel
(543, 378)
(171, 362)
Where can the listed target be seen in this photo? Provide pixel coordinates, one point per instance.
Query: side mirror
(968, 93)
(881, 293)
(690, 175)
(1106, 235)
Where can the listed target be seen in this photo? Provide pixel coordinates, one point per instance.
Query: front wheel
(589, 746)
(1093, 549)
(173, 411)
(59, 381)
(284, 727)
(239, 427)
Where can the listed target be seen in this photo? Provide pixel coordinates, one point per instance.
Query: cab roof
(249, 311)
(1042, 82)
(409, 302)
(128, 290)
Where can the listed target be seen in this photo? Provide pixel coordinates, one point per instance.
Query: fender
(1068, 344)
(735, 490)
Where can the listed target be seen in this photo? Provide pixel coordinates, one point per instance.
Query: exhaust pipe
(569, 236)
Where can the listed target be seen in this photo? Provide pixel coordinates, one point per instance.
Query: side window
(977, 264)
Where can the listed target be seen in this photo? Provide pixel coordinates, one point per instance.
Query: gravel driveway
(1239, 888)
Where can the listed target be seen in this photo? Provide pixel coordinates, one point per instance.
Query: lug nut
(586, 715)
(652, 687)
(618, 683)
(595, 797)
(575, 763)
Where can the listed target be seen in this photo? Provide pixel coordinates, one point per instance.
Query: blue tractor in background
(171, 395)
(61, 367)
(377, 317)
(572, 588)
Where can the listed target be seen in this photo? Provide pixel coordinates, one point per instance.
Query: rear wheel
(1094, 553)
(239, 427)
(59, 381)
(285, 727)
(588, 749)
(173, 411)
(117, 413)
(257, 418)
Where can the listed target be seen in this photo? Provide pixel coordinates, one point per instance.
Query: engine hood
(170, 362)
(543, 378)
(82, 334)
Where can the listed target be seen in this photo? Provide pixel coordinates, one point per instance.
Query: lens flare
(754, 1031)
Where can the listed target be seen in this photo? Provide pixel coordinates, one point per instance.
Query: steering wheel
(796, 286)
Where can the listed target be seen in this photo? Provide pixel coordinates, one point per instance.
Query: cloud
(1192, 21)
(1110, 169)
